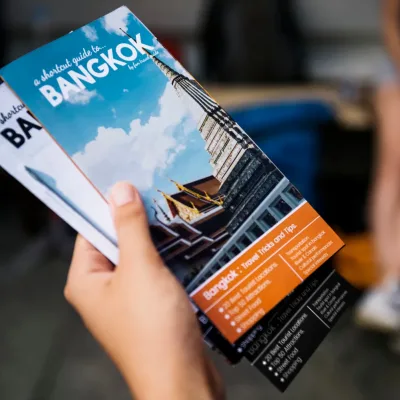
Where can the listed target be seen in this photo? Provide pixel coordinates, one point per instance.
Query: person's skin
(390, 26)
(140, 313)
(385, 211)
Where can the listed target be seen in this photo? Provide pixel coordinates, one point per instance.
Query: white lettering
(66, 87)
(77, 77)
(139, 45)
(54, 98)
(102, 70)
(132, 50)
(111, 61)
(223, 285)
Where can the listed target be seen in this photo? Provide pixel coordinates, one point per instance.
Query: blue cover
(288, 132)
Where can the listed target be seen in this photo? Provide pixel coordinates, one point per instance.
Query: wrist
(188, 384)
(175, 391)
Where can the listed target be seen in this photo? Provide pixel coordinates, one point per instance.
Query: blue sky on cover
(129, 125)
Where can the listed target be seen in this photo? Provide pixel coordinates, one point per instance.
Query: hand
(139, 312)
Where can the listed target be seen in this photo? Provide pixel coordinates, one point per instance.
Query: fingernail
(123, 193)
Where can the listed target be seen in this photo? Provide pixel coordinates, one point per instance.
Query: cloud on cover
(117, 20)
(90, 33)
(83, 97)
(136, 156)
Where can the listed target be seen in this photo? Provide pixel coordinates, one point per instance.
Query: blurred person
(380, 308)
(254, 41)
(139, 312)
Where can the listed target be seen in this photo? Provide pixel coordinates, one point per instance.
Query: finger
(87, 259)
(86, 262)
(130, 219)
(87, 265)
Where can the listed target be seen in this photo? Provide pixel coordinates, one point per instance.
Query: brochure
(246, 245)
(35, 160)
(30, 155)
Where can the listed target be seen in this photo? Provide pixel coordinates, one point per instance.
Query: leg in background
(378, 309)
(385, 204)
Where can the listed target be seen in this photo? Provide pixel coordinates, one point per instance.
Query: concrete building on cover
(282, 201)
(245, 173)
(245, 183)
(193, 233)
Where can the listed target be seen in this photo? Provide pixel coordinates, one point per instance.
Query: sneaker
(379, 311)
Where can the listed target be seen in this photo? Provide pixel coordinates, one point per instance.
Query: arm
(139, 312)
(385, 199)
(391, 29)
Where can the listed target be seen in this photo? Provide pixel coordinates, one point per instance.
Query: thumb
(130, 219)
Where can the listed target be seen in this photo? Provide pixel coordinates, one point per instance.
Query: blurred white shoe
(379, 310)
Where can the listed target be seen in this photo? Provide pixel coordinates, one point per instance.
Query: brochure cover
(29, 154)
(228, 223)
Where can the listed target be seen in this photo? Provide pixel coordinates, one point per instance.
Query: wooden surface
(232, 97)
(356, 261)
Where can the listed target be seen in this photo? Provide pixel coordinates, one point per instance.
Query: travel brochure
(108, 103)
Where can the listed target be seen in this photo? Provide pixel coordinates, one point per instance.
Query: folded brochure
(249, 249)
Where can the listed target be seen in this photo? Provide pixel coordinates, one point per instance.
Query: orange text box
(245, 290)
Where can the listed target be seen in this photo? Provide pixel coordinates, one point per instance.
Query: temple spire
(161, 210)
(207, 110)
(188, 213)
(206, 197)
(164, 68)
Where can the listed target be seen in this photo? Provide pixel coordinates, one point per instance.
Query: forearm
(177, 389)
(392, 43)
(391, 29)
(188, 382)
(384, 209)
(384, 198)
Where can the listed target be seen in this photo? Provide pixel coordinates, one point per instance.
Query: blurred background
(300, 77)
